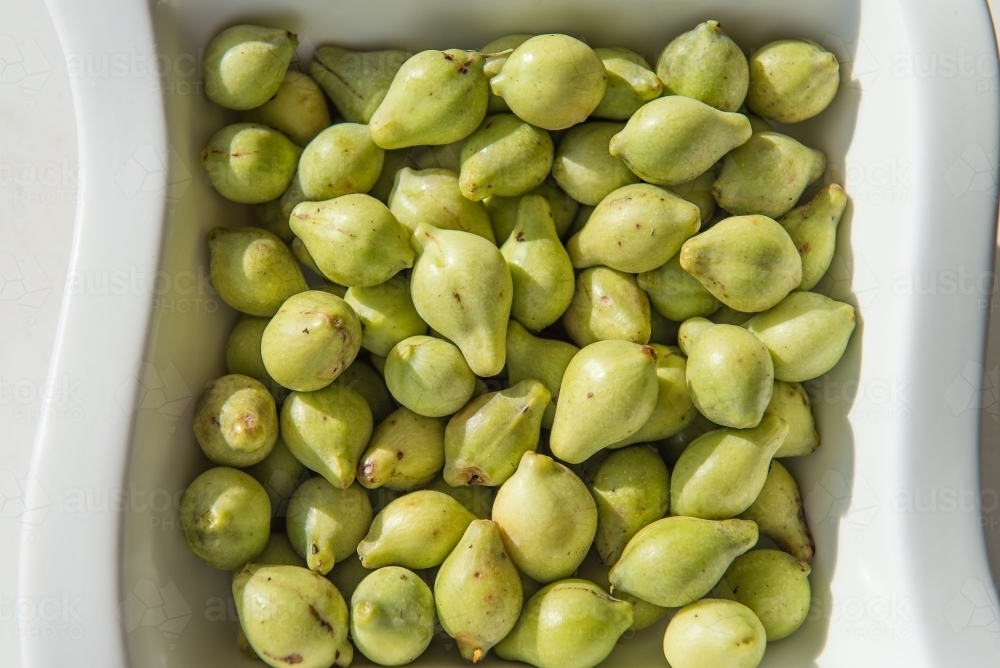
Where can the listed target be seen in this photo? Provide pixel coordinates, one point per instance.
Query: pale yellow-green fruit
(484, 442)
(301, 254)
(392, 164)
(705, 64)
(677, 560)
(249, 163)
(607, 305)
(433, 196)
(790, 402)
(355, 81)
(674, 139)
(429, 376)
(775, 586)
(730, 316)
(813, 229)
(779, 514)
(364, 380)
(386, 313)
(698, 191)
(676, 294)
(767, 175)
(506, 157)
(269, 215)
(298, 109)
(279, 552)
(644, 614)
(674, 409)
(311, 340)
(547, 518)
(689, 331)
(461, 287)
(436, 97)
(671, 448)
(636, 228)
(540, 268)
(542, 359)
(496, 53)
(608, 392)
(326, 523)
(226, 518)
(418, 530)
(444, 156)
(235, 421)
(806, 334)
(355, 240)
(279, 473)
(327, 430)
(749, 263)
(392, 616)
(244, 65)
(478, 592)
(631, 84)
(569, 624)
(348, 575)
(406, 451)
(792, 80)
(252, 270)
(583, 215)
(477, 499)
(585, 168)
(551, 81)
(503, 211)
(722, 472)
(717, 633)
(340, 160)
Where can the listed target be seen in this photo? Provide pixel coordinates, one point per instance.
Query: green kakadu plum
(677, 560)
(301, 254)
(675, 139)
(585, 168)
(429, 376)
(496, 53)
(436, 97)
(676, 294)
(568, 624)
(244, 65)
(714, 632)
(356, 81)
(749, 263)
(392, 616)
(813, 229)
(689, 331)
(775, 586)
(298, 109)
(705, 64)
(583, 215)
(226, 518)
(279, 552)
(340, 160)
(792, 80)
(767, 175)
(730, 316)
(698, 191)
(392, 164)
(235, 421)
(252, 270)
(806, 334)
(279, 473)
(631, 84)
(607, 305)
(271, 217)
(671, 448)
(364, 380)
(477, 499)
(503, 211)
(405, 452)
(722, 472)
(387, 314)
(551, 81)
(790, 402)
(674, 409)
(758, 124)
(644, 614)
(243, 353)
(249, 163)
(505, 156)
(326, 523)
(542, 359)
(779, 514)
(433, 196)
(444, 156)
(417, 530)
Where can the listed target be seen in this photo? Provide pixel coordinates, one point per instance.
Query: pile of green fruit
(570, 271)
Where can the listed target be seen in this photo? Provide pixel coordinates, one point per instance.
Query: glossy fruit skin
(386, 313)
(775, 586)
(631, 84)
(780, 516)
(705, 64)
(713, 632)
(813, 229)
(392, 616)
(644, 614)
(792, 80)
(607, 305)
(545, 360)
(298, 109)
(503, 211)
(326, 523)
(433, 196)
(235, 421)
(244, 65)
(249, 163)
(340, 160)
(790, 402)
(676, 294)
(505, 156)
(674, 409)
(356, 81)
(405, 453)
(429, 376)
(584, 166)
(280, 474)
(252, 270)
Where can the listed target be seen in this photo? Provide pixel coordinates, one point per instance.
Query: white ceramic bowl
(900, 576)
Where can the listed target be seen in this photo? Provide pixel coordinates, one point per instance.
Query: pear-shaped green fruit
(418, 530)
(813, 229)
(477, 499)
(540, 268)
(429, 376)
(226, 518)
(484, 442)
(432, 196)
(478, 591)
(364, 380)
(505, 156)
(298, 109)
(671, 448)
(279, 552)
(585, 168)
(674, 139)
(355, 240)
(503, 211)
(689, 331)
(547, 518)
(243, 353)
(356, 81)
(301, 254)
(279, 473)
(790, 402)
(767, 175)
(676, 294)
(244, 65)
(730, 316)
(405, 452)
(444, 156)
(310, 341)
(235, 421)
(326, 523)
(714, 632)
(792, 80)
(552, 81)
(636, 228)
(632, 489)
(644, 614)
(542, 359)
(779, 515)
(674, 409)
(496, 53)
(249, 163)
(705, 64)
(392, 616)
(387, 314)
(462, 287)
(806, 334)
(748, 262)
(721, 473)
(569, 624)
(253, 270)
(608, 392)
(393, 163)
(327, 430)
(341, 160)
(698, 191)
(436, 97)
(607, 305)
(775, 586)
(631, 84)
(677, 560)
(271, 217)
